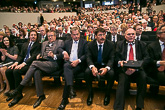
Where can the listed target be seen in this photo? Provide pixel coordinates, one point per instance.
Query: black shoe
(72, 93)
(106, 100)
(154, 89)
(90, 99)
(63, 104)
(138, 108)
(15, 100)
(13, 93)
(8, 99)
(38, 102)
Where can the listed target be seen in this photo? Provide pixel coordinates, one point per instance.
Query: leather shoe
(72, 93)
(38, 102)
(63, 104)
(13, 93)
(106, 100)
(138, 108)
(8, 99)
(90, 99)
(15, 100)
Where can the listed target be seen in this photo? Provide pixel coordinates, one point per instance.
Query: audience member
(74, 51)
(130, 49)
(100, 64)
(9, 55)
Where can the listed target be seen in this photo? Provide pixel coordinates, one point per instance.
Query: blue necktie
(99, 57)
(75, 51)
(28, 52)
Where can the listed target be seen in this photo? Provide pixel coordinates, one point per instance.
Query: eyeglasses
(130, 34)
(162, 32)
(139, 29)
(75, 34)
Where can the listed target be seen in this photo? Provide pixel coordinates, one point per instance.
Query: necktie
(99, 57)
(131, 56)
(28, 52)
(162, 68)
(113, 38)
(137, 37)
(75, 51)
(65, 31)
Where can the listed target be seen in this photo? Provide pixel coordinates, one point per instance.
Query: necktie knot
(100, 46)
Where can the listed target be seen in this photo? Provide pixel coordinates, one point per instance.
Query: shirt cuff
(24, 63)
(119, 64)
(63, 52)
(55, 57)
(158, 63)
(108, 68)
(91, 66)
(79, 60)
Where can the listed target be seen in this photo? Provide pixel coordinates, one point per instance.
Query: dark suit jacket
(121, 51)
(155, 54)
(144, 38)
(39, 38)
(107, 55)
(64, 36)
(81, 49)
(119, 37)
(34, 51)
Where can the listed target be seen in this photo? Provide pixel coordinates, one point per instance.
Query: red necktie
(131, 57)
(65, 31)
(162, 68)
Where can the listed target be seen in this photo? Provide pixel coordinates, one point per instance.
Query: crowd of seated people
(103, 31)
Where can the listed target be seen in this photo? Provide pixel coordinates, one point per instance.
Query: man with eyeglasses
(113, 36)
(130, 49)
(42, 36)
(100, 58)
(156, 52)
(73, 51)
(139, 36)
(48, 61)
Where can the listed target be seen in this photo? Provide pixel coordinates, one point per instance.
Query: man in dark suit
(60, 34)
(114, 36)
(27, 55)
(130, 49)
(8, 33)
(42, 36)
(48, 61)
(100, 58)
(156, 52)
(74, 51)
(139, 36)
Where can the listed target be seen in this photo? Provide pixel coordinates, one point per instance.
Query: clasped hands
(3, 51)
(66, 58)
(129, 71)
(95, 71)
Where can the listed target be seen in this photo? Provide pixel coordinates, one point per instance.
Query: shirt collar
(75, 41)
(161, 43)
(99, 44)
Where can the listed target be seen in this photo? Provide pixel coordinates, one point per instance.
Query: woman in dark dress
(9, 55)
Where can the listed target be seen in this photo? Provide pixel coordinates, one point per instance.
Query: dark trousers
(69, 73)
(14, 76)
(109, 76)
(140, 78)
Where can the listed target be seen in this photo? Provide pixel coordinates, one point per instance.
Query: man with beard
(100, 58)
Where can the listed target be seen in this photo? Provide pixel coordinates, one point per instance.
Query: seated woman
(9, 55)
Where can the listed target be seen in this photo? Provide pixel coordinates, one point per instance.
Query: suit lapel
(136, 49)
(79, 47)
(125, 48)
(70, 45)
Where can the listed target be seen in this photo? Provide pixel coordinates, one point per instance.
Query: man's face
(60, 30)
(162, 34)
(129, 25)
(130, 35)
(138, 30)
(42, 31)
(94, 27)
(144, 25)
(155, 19)
(75, 35)
(51, 37)
(7, 33)
(33, 36)
(90, 29)
(113, 31)
(100, 37)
